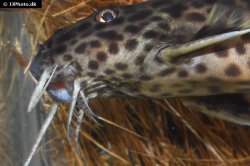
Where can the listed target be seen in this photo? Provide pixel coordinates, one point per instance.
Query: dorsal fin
(224, 18)
(223, 23)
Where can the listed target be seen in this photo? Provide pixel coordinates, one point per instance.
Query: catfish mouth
(56, 88)
(58, 91)
(61, 90)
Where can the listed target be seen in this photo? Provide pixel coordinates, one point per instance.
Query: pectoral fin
(230, 107)
(223, 23)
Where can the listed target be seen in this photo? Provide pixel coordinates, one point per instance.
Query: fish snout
(56, 88)
(35, 68)
(36, 64)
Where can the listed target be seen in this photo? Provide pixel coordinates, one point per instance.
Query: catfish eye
(105, 16)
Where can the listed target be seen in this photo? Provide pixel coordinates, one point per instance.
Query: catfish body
(157, 49)
(197, 50)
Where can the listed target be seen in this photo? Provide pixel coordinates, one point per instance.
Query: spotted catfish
(156, 49)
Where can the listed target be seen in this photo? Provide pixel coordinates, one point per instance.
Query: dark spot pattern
(156, 18)
(240, 49)
(113, 48)
(109, 71)
(141, 69)
(131, 44)
(126, 76)
(110, 35)
(100, 26)
(164, 26)
(114, 79)
(121, 66)
(232, 70)
(221, 51)
(196, 17)
(148, 47)
(58, 50)
(100, 77)
(139, 60)
(166, 72)
(144, 23)
(93, 65)
(174, 10)
(86, 34)
(182, 73)
(140, 15)
(151, 34)
(200, 68)
(91, 74)
(157, 4)
(101, 56)
(67, 57)
(164, 37)
(80, 49)
(118, 21)
(95, 44)
(132, 29)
